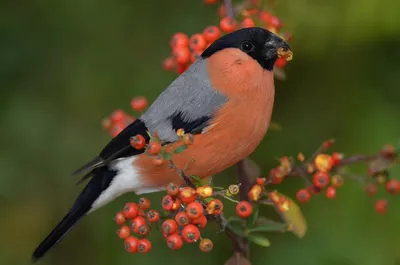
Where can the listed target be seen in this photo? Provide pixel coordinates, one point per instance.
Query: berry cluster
(186, 49)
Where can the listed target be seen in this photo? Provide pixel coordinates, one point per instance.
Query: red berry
(244, 209)
(116, 129)
(314, 189)
(143, 230)
(137, 223)
(176, 204)
(206, 245)
(181, 55)
(275, 22)
(153, 216)
(131, 244)
(215, 207)
(393, 186)
(336, 158)
(144, 203)
(191, 233)
(123, 232)
(280, 62)
(211, 33)
(210, 2)
(144, 245)
(154, 148)
(381, 205)
(130, 210)
(371, 190)
(388, 151)
(187, 195)
(265, 16)
(141, 213)
(227, 24)
(260, 181)
(139, 103)
(197, 42)
(169, 227)
(158, 160)
(138, 142)
(169, 63)
(330, 192)
(179, 39)
(182, 219)
(167, 202)
(222, 10)
(201, 221)
(173, 189)
(303, 195)
(321, 179)
(174, 241)
(181, 68)
(247, 23)
(120, 218)
(194, 210)
(118, 116)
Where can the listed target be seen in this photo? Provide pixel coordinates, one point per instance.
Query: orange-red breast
(224, 99)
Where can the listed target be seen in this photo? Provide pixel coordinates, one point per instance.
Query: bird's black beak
(276, 47)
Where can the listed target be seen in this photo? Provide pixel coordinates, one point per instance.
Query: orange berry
(154, 148)
(336, 158)
(120, 218)
(265, 16)
(227, 24)
(215, 207)
(173, 189)
(176, 204)
(139, 103)
(194, 210)
(137, 223)
(206, 245)
(381, 206)
(130, 210)
(388, 151)
(158, 160)
(211, 33)
(179, 39)
(204, 191)
(141, 213)
(144, 203)
(321, 179)
(182, 219)
(118, 116)
(144, 245)
(152, 216)
(393, 186)
(244, 209)
(181, 55)
(337, 181)
(255, 192)
(191, 233)
(247, 23)
(130, 244)
(323, 162)
(169, 227)
(303, 195)
(138, 142)
(330, 192)
(260, 181)
(197, 42)
(280, 62)
(200, 221)
(123, 232)
(174, 241)
(169, 63)
(167, 202)
(187, 195)
(275, 22)
(143, 230)
(181, 68)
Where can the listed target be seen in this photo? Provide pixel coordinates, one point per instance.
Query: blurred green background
(64, 65)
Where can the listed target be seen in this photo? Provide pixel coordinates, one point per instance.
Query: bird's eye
(247, 46)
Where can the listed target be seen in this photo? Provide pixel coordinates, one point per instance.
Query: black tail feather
(100, 181)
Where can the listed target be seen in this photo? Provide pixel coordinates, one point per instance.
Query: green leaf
(254, 216)
(180, 149)
(236, 226)
(259, 240)
(295, 217)
(234, 219)
(167, 156)
(195, 177)
(270, 227)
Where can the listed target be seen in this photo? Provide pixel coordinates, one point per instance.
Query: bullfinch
(225, 99)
